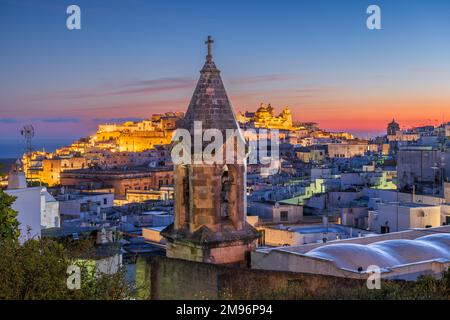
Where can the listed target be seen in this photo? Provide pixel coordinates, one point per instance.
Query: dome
(441, 241)
(393, 122)
(385, 254)
(262, 108)
(411, 251)
(353, 256)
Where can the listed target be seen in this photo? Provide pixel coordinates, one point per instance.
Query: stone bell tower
(210, 199)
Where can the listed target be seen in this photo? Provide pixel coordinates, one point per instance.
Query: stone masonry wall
(165, 278)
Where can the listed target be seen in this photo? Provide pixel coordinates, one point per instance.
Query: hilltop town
(335, 205)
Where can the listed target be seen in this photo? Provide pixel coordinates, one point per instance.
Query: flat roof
(154, 213)
(412, 204)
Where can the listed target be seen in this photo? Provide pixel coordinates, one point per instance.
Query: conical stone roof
(209, 103)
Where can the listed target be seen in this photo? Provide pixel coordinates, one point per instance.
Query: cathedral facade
(265, 118)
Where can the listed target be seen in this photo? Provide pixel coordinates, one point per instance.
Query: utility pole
(28, 133)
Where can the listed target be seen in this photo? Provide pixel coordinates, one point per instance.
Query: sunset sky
(134, 58)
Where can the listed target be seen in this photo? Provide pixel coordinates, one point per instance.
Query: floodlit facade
(343, 150)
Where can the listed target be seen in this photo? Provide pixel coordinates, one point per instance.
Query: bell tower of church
(210, 199)
(16, 176)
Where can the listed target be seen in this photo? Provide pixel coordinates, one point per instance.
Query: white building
(292, 235)
(354, 216)
(358, 179)
(341, 150)
(394, 196)
(80, 204)
(393, 216)
(276, 212)
(320, 173)
(37, 210)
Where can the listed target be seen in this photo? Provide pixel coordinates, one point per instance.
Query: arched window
(225, 192)
(186, 194)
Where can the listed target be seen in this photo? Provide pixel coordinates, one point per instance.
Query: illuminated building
(122, 180)
(264, 118)
(53, 167)
(347, 150)
(139, 136)
(162, 193)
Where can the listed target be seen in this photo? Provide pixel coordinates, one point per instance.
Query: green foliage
(9, 226)
(425, 288)
(104, 286)
(38, 270)
(35, 270)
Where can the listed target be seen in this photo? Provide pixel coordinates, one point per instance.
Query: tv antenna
(28, 133)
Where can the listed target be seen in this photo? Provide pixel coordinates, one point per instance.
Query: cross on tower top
(209, 42)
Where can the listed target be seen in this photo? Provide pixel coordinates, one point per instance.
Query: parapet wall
(165, 278)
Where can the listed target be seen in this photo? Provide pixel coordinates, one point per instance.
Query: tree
(9, 226)
(38, 269)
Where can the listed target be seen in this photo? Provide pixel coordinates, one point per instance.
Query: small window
(284, 216)
(105, 201)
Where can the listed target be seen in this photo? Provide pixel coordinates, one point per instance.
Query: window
(284, 216)
(225, 192)
(105, 201)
